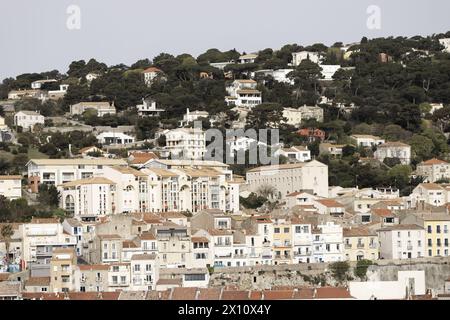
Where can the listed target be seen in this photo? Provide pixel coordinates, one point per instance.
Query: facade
(148, 108)
(298, 57)
(295, 153)
(428, 194)
(62, 271)
(433, 170)
(329, 207)
(403, 241)
(360, 243)
(366, 140)
(399, 150)
(243, 93)
(102, 108)
(247, 58)
(192, 116)
(296, 116)
(331, 149)
(328, 71)
(328, 243)
(289, 178)
(144, 272)
(302, 241)
(11, 187)
(115, 138)
(28, 119)
(150, 74)
(186, 143)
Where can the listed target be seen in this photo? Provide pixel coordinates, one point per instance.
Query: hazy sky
(34, 36)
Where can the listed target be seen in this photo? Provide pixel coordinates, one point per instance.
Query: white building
(328, 243)
(192, 116)
(91, 76)
(403, 241)
(243, 93)
(28, 119)
(446, 43)
(329, 70)
(144, 272)
(58, 94)
(102, 108)
(298, 57)
(329, 207)
(150, 74)
(3, 126)
(114, 138)
(433, 170)
(148, 109)
(186, 143)
(399, 150)
(247, 58)
(367, 140)
(279, 75)
(430, 194)
(11, 187)
(288, 178)
(295, 153)
(296, 116)
(39, 83)
(302, 240)
(59, 171)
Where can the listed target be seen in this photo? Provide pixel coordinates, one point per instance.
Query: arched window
(70, 204)
(129, 188)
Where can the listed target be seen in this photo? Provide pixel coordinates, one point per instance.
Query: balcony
(300, 254)
(348, 246)
(409, 247)
(360, 245)
(282, 257)
(239, 256)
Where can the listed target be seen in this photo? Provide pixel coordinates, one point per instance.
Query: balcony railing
(360, 245)
(297, 254)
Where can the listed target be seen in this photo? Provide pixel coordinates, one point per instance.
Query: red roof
(433, 161)
(152, 69)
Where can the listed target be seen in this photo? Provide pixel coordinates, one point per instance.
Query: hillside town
(112, 187)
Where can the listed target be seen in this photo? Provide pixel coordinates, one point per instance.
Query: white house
(11, 187)
(367, 140)
(328, 243)
(192, 116)
(102, 108)
(298, 57)
(28, 119)
(148, 108)
(403, 241)
(279, 75)
(114, 138)
(399, 150)
(329, 207)
(296, 116)
(144, 272)
(430, 194)
(433, 170)
(302, 240)
(39, 83)
(247, 58)
(295, 153)
(150, 74)
(243, 93)
(446, 43)
(328, 71)
(186, 143)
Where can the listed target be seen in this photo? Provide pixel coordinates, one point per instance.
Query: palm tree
(6, 233)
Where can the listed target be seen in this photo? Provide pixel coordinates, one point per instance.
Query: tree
(6, 233)
(48, 195)
(361, 268)
(253, 201)
(266, 115)
(339, 270)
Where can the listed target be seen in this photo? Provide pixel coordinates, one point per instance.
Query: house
(328, 71)
(399, 150)
(11, 187)
(141, 158)
(331, 149)
(39, 83)
(280, 75)
(288, 178)
(298, 57)
(144, 272)
(243, 93)
(247, 58)
(192, 116)
(384, 58)
(58, 94)
(360, 243)
(102, 108)
(240, 144)
(58, 171)
(428, 194)
(403, 241)
(329, 207)
(282, 241)
(301, 199)
(37, 284)
(26, 93)
(186, 143)
(295, 117)
(28, 119)
(433, 170)
(114, 138)
(366, 140)
(328, 242)
(446, 43)
(295, 153)
(88, 151)
(150, 74)
(312, 134)
(302, 240)
(148, 109)
(62, 270)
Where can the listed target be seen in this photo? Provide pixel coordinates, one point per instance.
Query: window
(276, 230)
(123, 279)
(115, 269)
(430, 242)
(438, 229)
(114, 279)
(195, 277)
(148, 267)
(286, 230)
(429, 229)
(137, 267)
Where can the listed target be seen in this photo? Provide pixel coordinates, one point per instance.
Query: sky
(34, 36)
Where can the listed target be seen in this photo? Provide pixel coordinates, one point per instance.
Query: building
(295, 117)
(329, 207)
(399, 150)
(366, 140)
(243, 93)
(328, 71)
(102, 108)
(302, 240)
(279, 75)
(58, 171)
(192, 116)
(298, 57)
(28, 119)
(114, 138)
(403, 241)
(58, 94)
(282, 241)
(289, 178)
(186, 143)
(360, 243)
(148, 109)
(247, 58)
(331, 149)
(428, 194)
(446, 43)
(26, 93)
(150, 74)
(39, 83)
(295, 153)
(11, 187)
(433, 170)
(62, 269)
(3, 126)
(144, 272)
(328, 243)
(312, 134)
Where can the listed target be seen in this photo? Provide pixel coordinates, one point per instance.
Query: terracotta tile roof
(330, 203)
(304, 293)
(382, 212)
(184, 293)
(152, 69)
(38, 281)
(332, 293)
(219, 232)
(143, 257)
(358, 232)
(91, 267)
(147, 236)
(109, 237)
(4, 276)
(209, 294)
(431, 186)
(42, 296)
(169, 282)
(235, 295)
(391, 144)
(199, 239)
(402, 227)
(168, 215)
(432, 162)
(142, 157)
(278, 294)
